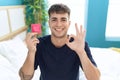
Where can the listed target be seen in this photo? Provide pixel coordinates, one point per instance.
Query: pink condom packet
(36, 28)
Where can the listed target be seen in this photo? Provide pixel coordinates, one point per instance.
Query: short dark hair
(59, 8)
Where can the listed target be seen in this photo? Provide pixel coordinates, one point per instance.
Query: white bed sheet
(13, 54)
(108, 62)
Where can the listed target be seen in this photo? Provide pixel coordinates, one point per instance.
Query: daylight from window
(113, 21)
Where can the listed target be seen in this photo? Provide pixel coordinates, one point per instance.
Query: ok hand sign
(78, 43)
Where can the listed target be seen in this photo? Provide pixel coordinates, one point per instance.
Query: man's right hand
(31, 41)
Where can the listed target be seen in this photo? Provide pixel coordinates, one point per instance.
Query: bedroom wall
(10, 2)
(96, 23)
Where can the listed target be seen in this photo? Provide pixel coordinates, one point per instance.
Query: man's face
(59, 24)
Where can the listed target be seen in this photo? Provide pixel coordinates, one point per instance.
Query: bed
(107, 60)
(13, 50)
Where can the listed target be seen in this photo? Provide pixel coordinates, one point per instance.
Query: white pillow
(15, 51)
(7, 71)
(12, 56)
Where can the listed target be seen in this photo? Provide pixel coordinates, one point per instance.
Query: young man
(57, 55)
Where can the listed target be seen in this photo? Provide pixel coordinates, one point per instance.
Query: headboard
(12, 21)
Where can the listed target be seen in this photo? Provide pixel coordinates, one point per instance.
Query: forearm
(27, 70)
(24, 76)
(91, 71)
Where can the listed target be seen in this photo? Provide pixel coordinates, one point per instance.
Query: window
(113, 21)
(77, 12)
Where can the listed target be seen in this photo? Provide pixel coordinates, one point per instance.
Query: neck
(58, 42)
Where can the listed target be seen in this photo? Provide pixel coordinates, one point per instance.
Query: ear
(69, 23)
(49, 22)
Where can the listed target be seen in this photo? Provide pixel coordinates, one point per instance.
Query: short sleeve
(87, 49)
(36, 62)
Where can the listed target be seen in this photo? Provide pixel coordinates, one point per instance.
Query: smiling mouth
(59, 29)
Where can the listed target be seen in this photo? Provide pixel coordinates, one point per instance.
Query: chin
(59, 36)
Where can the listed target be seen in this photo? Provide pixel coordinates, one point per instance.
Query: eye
(63, 20)
(53, 20)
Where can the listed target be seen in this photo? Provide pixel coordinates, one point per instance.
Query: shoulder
(86, 44)
(43, 41)
(87, 49)
(44, 38)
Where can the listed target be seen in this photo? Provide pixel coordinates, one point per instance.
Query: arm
(91, 71)
(26, 72)
(78, 45)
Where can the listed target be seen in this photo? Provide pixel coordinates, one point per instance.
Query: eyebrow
(56, 18)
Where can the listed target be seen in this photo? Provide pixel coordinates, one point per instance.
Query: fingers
(80, 31)
(35, 41)
(70, 38)
(81, 28)
(77, 30)
(31, 39)
(31, 35)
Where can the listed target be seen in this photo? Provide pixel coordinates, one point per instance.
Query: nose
(59, 23)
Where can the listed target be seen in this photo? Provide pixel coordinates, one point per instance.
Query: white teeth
(58, 29)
